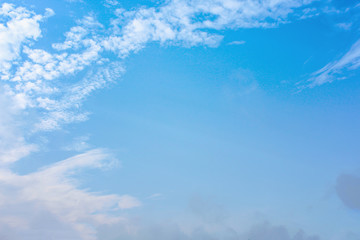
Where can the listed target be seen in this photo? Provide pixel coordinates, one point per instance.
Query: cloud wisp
(336, 70)
(236, 43)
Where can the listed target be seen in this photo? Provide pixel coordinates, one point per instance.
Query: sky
(179, 119)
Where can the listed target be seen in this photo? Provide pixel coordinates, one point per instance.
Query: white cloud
(34, 81)
(22, 25)
(185, 22)
(127, 201)
(45, 66)
(112, 2)
(335, 70)
(66, 109)
(78, 35)
(79, 144)
(236, 43)
(309, 13)
(155, 196)
(345, 25)
(241, 82)
(13, 145)
(18, 149)
(53, 192)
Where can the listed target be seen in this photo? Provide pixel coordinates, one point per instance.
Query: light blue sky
(180, 119)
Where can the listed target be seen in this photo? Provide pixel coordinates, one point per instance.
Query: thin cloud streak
(236, 43)
(337, 70)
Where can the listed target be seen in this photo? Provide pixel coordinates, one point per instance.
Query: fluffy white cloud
(186, 22)
(22, 25)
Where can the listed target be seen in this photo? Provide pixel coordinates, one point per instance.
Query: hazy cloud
(171, 230)
(206, 220)
(348, 190)
(241, 82)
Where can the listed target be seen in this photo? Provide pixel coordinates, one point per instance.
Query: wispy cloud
(79, 144)
(345, 25)
(127, 201)
(236, 43)
(53, 192)
(155, 196)
(112, 2)
(338, 69)
(241, 82)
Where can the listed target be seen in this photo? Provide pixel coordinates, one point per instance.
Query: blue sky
(180, 119)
